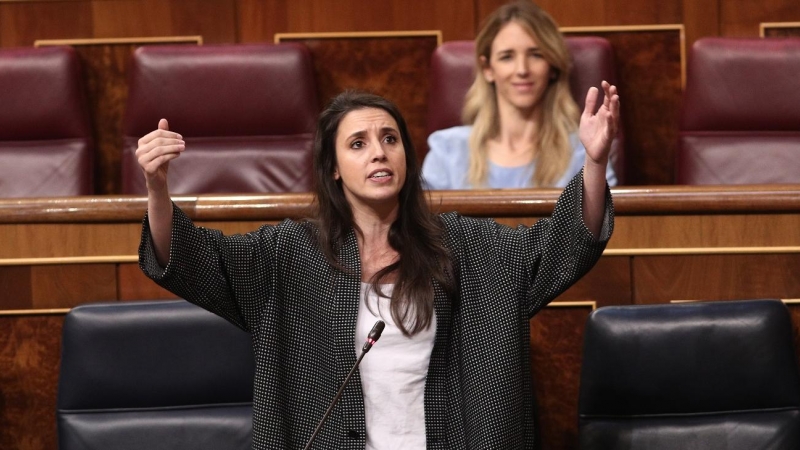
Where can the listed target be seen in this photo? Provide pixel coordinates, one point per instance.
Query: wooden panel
(105, 75)
(134, 285)
(22, 23)
(65, 286)
(608, 283)
(740, 18)
(259, 20)
(15, 286)
(556, 348)
(125, 18)
(701, 19)
(30, 349)
(650, 68)
(394, 66)
(695, 231)
(778, 29)
(600, 12)
(55, 240)
(683, 218)
(659, 279)
(215, 20)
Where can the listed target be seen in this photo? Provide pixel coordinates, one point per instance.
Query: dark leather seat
(453, 70)
(247, 113)
(740, 122)
(714, 375)
(45, 132)
(153, 375)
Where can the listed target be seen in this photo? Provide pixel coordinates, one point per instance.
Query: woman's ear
(486, 69)
(336, 174)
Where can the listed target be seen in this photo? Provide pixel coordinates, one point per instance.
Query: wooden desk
(670, 243)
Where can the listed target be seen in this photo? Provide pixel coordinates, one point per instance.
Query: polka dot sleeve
(209, 268)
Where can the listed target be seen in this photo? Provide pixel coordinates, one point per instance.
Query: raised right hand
(155, 151)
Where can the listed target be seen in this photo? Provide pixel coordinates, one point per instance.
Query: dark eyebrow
(511, 50)
(362, 133)
(359, 133)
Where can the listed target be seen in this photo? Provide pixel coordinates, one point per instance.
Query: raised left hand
(597, 130)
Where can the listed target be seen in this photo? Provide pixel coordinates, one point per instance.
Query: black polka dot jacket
(273, 282)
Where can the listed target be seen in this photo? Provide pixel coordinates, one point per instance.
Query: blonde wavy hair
(560, 114)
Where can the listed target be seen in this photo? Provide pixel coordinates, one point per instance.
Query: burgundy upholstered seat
(45, 131)
(740, 122)
(246, 112)
(452, 73)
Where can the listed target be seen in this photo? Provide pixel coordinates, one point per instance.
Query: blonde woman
(523, 123)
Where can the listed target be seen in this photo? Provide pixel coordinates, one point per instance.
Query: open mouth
(380, 174)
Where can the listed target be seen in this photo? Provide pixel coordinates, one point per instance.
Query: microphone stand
(373, 337)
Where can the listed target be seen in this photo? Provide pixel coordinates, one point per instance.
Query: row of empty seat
(248, 113)
(714, 375)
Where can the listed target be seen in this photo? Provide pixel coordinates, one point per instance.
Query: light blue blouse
(447, 163)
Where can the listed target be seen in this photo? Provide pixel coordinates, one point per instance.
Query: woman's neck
(372, 234)
(518, 126)
(515, 144)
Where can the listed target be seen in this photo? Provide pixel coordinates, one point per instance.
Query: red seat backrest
(45, 132)
(246, 112)
(740, 121)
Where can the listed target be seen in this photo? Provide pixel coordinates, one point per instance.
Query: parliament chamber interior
(707, 206)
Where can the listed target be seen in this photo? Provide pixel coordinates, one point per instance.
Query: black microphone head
(376, 331)
(373, 336)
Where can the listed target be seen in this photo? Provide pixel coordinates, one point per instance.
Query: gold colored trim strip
(104, 41)
(627, 28)
(69, 260)
(360, 34)
(621, 28)
(762, 27)
(698, 251)
(608, 252)
(33, 312)
(578, 304)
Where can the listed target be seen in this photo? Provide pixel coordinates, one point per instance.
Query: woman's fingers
(149, 157)
(591, 101)
(158, 147)
(153, 166)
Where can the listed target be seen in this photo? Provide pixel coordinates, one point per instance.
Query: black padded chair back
(711, 375)
(153, 375)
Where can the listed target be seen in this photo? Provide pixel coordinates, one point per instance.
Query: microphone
(372, 338)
